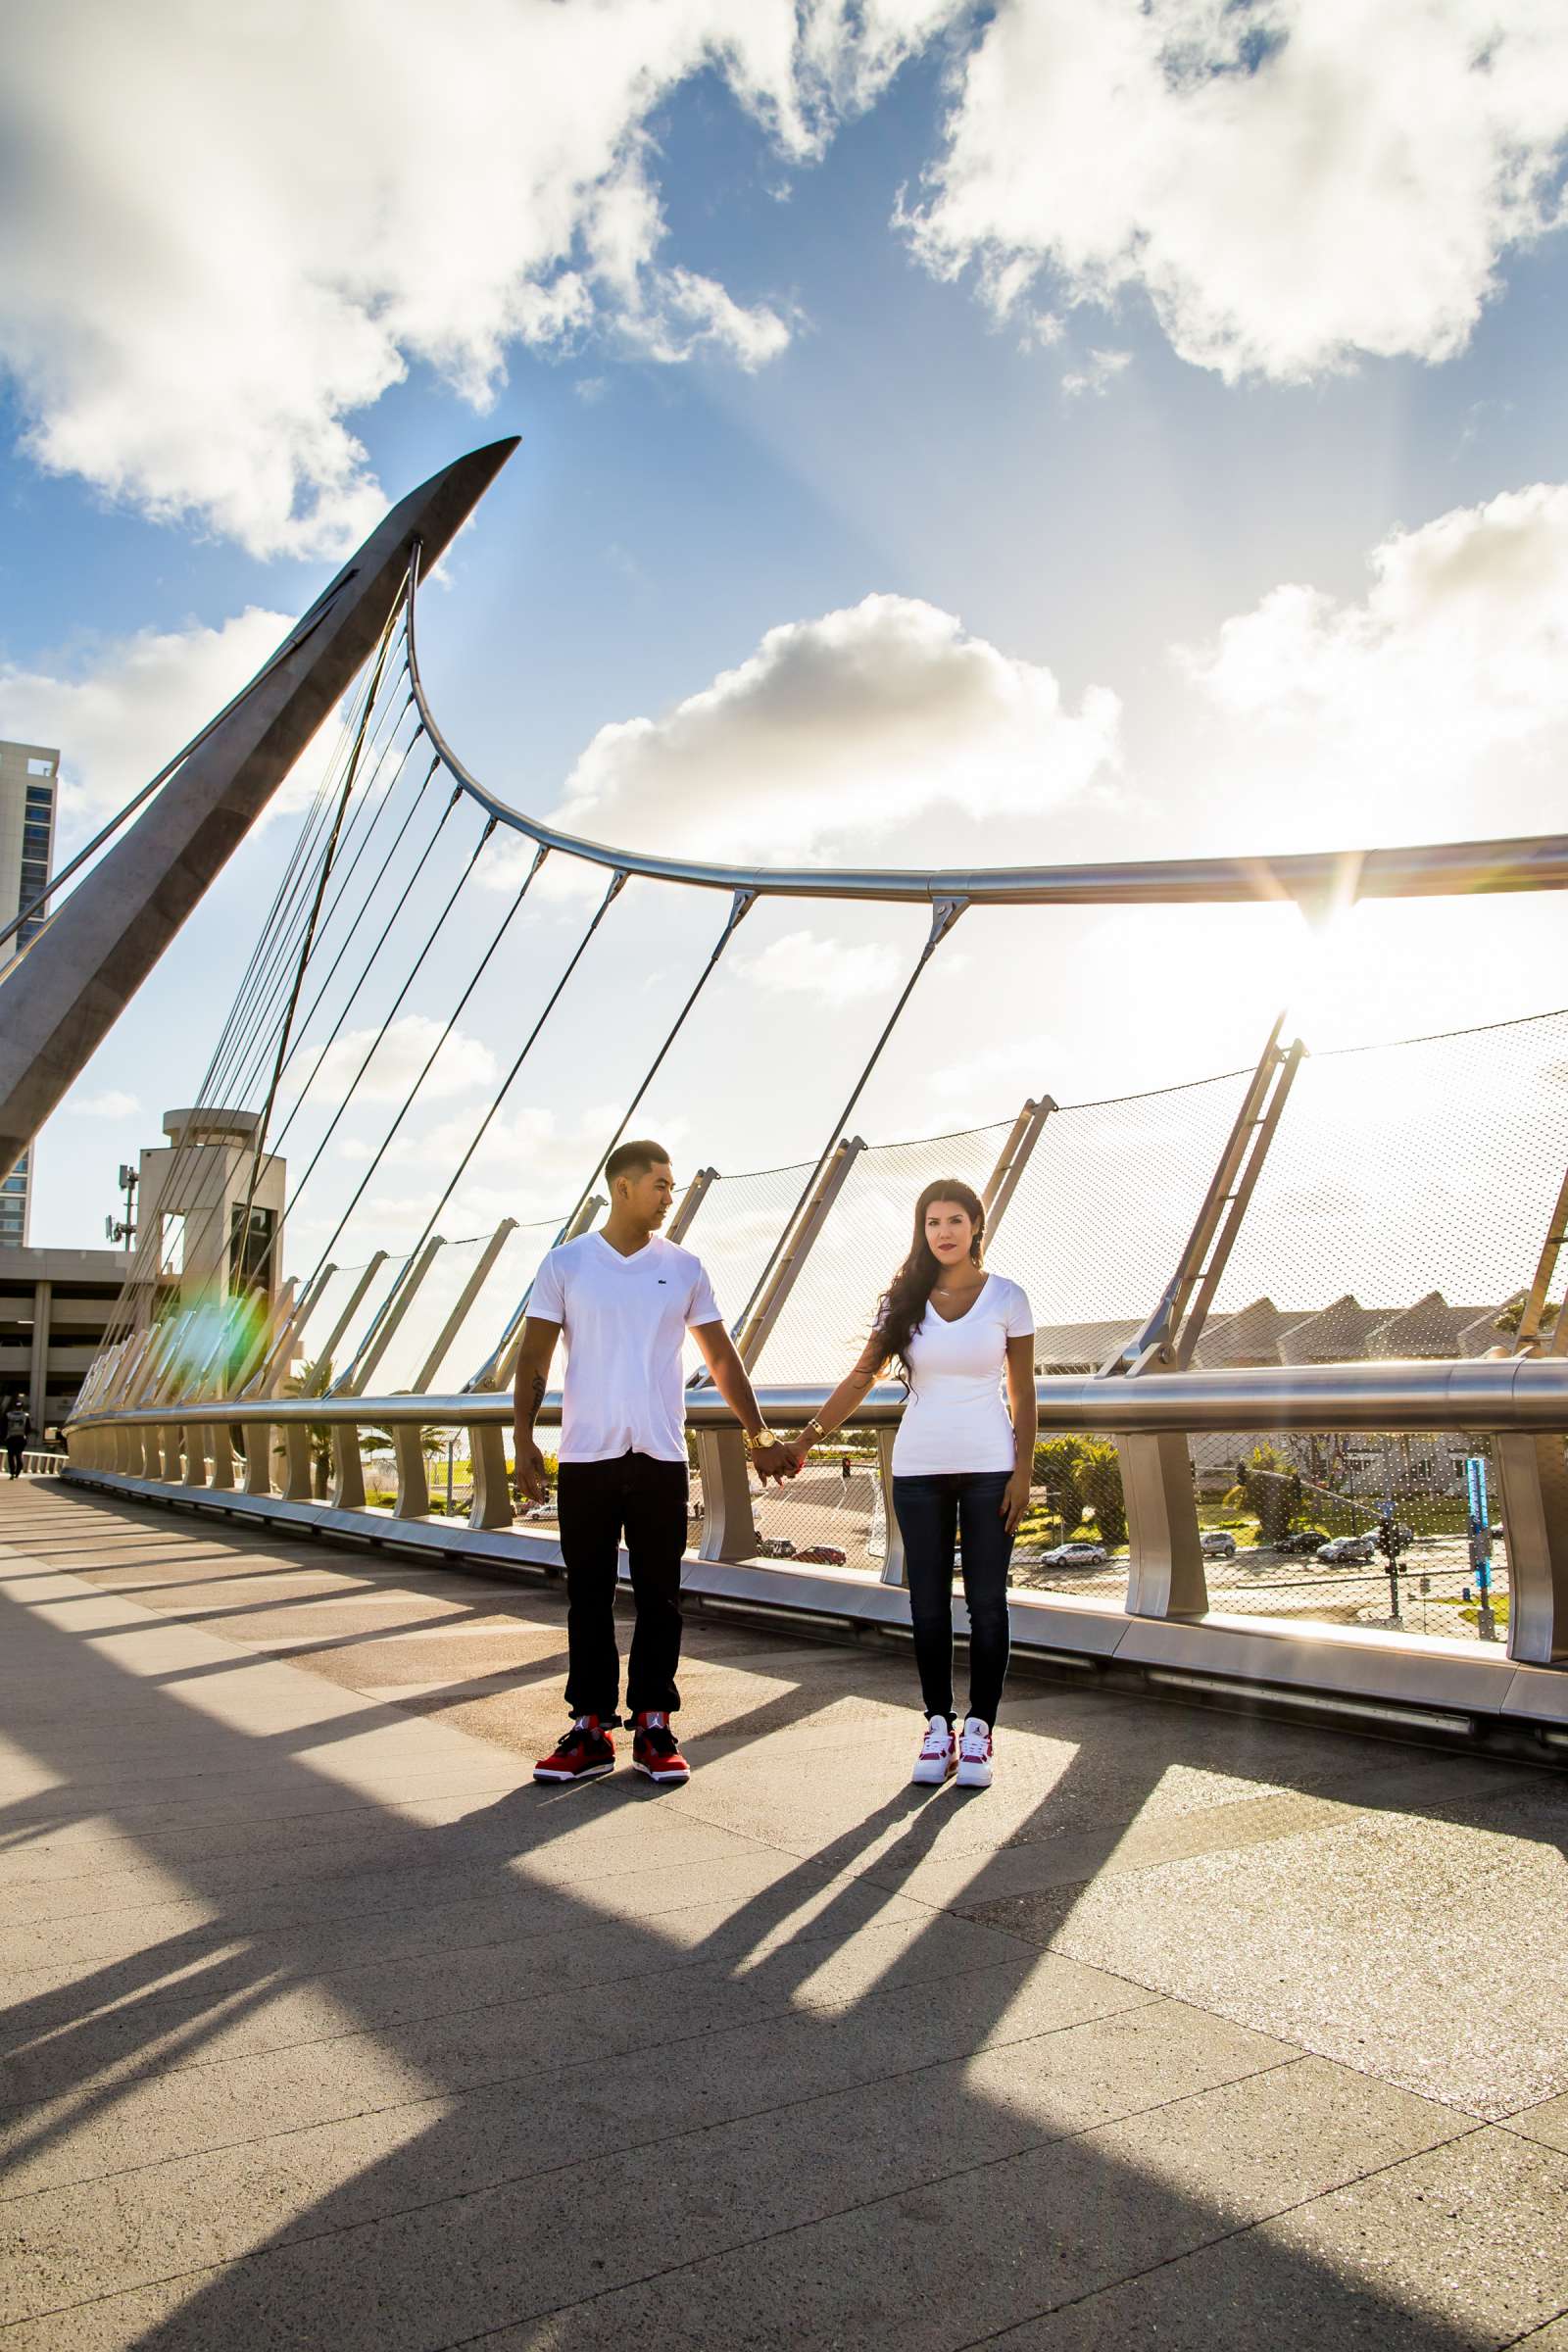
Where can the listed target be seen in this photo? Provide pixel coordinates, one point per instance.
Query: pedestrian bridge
(326, 2026)
(1310, 1299)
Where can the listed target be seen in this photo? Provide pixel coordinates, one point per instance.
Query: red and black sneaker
(585, 1753)
(653, 1750)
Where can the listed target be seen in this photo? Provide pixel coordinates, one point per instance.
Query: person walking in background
(18, 1428)
(624, 1297)
(962, 1459)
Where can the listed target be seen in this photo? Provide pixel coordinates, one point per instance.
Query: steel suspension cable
(740, 907)
(350, 935)
(231, 1036)
(409, 979)
(610, 895)
(370, 960)
(299, 981)
(946, 914)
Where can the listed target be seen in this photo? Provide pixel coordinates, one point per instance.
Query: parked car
(1218, 1543)
(775, 1547)
(1340, 1550)
(823, 1556)
(1306, 1539)
(540, 1510)
(1076, 1555)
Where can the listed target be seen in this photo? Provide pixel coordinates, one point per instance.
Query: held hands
(774, 1461)
(1016, 1500)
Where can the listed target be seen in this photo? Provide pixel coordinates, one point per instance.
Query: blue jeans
(932, 1512)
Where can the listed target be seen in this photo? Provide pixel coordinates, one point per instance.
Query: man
(626, 1298)
(19, 1428)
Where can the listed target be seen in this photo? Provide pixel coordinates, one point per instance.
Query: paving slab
(323, 2024)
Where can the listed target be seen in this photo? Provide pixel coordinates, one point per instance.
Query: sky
(1054, 430)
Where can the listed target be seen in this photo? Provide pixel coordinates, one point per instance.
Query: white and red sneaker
(585, 1753)
(938, 1754)
(654, 1749)
(974, 1754)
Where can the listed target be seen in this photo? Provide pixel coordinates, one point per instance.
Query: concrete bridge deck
(324, 2027)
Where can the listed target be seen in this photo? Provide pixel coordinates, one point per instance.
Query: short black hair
(635, 1160)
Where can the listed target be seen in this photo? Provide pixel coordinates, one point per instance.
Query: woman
(961, 1460)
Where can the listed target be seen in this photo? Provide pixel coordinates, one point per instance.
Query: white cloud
(133, 701)
(1292, 182)
(801, 963)
(229, 232)
(1097, 372)
(112, 1103)
(858, 722)
(1436, 703)
(400, 1054)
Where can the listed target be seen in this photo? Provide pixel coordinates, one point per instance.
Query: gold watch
(761, 1437)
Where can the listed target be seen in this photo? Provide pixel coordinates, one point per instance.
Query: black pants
(932, 1512)
(13, 1448)
(644, 1501)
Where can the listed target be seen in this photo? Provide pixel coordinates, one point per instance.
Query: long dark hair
(902, 1307)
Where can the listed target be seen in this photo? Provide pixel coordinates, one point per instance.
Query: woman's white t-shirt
(956, 1418)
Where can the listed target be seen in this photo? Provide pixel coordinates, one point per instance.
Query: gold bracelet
(813, 1431)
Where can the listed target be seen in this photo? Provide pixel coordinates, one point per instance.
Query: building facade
(30, 781)
(55, 1305)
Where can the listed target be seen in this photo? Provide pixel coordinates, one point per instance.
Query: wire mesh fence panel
(1354, 1528)
(493, 1306)
(1073, 1535)
(831, 1515)
(429, 1309)
(1404, 1200)
(863, 1240)
(1104, 1211)
(735, 1232)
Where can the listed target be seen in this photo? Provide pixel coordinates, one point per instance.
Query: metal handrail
(1522, 1393)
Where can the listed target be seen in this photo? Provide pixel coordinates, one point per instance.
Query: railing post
(499, 1366)
(794, 1248)
(382, 1332)
(1013, 1159)
(696, 1193)
(347, 1490)
(465, 1298)
(1166, 1575)
(1533, 1485)
(221, 1447)
(413, 1485)
(195, 1454)
(492, 1494)
(267, 1385)
(297, 1482)
(893, 1568)
(730, 1530)
(259, 1458)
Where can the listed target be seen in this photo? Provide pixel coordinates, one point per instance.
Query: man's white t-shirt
(625, 1320)
(956, 1418)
